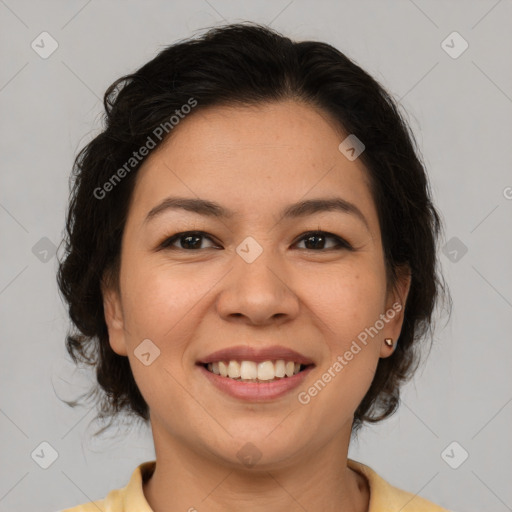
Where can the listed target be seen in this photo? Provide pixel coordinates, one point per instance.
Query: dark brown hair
(245, 64)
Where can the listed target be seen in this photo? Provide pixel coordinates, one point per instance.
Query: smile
(251, 371)
(254, 389)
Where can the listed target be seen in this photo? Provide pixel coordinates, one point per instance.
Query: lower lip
(254, 391)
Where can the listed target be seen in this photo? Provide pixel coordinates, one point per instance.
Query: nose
(258, 293)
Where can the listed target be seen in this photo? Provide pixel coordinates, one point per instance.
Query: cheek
(347, 305)
(347, 300)
(158, 297)
(158, 304)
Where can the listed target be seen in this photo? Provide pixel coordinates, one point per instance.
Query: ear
(395, 309)
(113, 312)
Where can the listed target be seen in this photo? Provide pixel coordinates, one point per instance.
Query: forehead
(253, 159)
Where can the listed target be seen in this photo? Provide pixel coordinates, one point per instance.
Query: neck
(188, 479)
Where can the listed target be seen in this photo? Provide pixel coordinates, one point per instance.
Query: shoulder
(384, 496)
(92, 506)
(113, 501)
(127, 499)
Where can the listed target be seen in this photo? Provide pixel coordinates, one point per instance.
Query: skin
(190, 302)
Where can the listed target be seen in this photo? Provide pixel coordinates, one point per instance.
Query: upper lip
(245, 353)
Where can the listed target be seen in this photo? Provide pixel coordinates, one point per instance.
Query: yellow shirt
(383, 496)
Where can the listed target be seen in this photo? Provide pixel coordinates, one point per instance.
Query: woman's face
(253, 279)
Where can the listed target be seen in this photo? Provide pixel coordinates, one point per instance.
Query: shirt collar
(134, 499)
(381, 492)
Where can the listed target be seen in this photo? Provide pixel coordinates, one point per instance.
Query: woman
(251, 267)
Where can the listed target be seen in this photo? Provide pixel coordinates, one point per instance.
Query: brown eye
(316, 241)
(188, 240)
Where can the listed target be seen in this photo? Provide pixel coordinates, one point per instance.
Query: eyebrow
(296, 210)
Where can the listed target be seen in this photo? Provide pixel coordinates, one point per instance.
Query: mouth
(245, 382)
(260, 374)
(250, 364)
(254, 371)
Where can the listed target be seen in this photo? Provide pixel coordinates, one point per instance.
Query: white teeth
(254, 372)
(266, 370)
(223, 369)
(290, 368)
(248, 370)
(233, 370)
(280, 368)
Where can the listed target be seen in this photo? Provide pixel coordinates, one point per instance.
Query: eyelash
(340, 242)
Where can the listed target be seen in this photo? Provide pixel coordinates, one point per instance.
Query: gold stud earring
(388, 342)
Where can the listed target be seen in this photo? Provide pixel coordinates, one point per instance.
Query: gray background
(460, 109)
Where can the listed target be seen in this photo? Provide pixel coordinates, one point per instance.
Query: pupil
(311, 237)
(187, 243)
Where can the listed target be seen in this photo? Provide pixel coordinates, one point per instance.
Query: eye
(191, 240)
(316, 239)
(187, 239)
